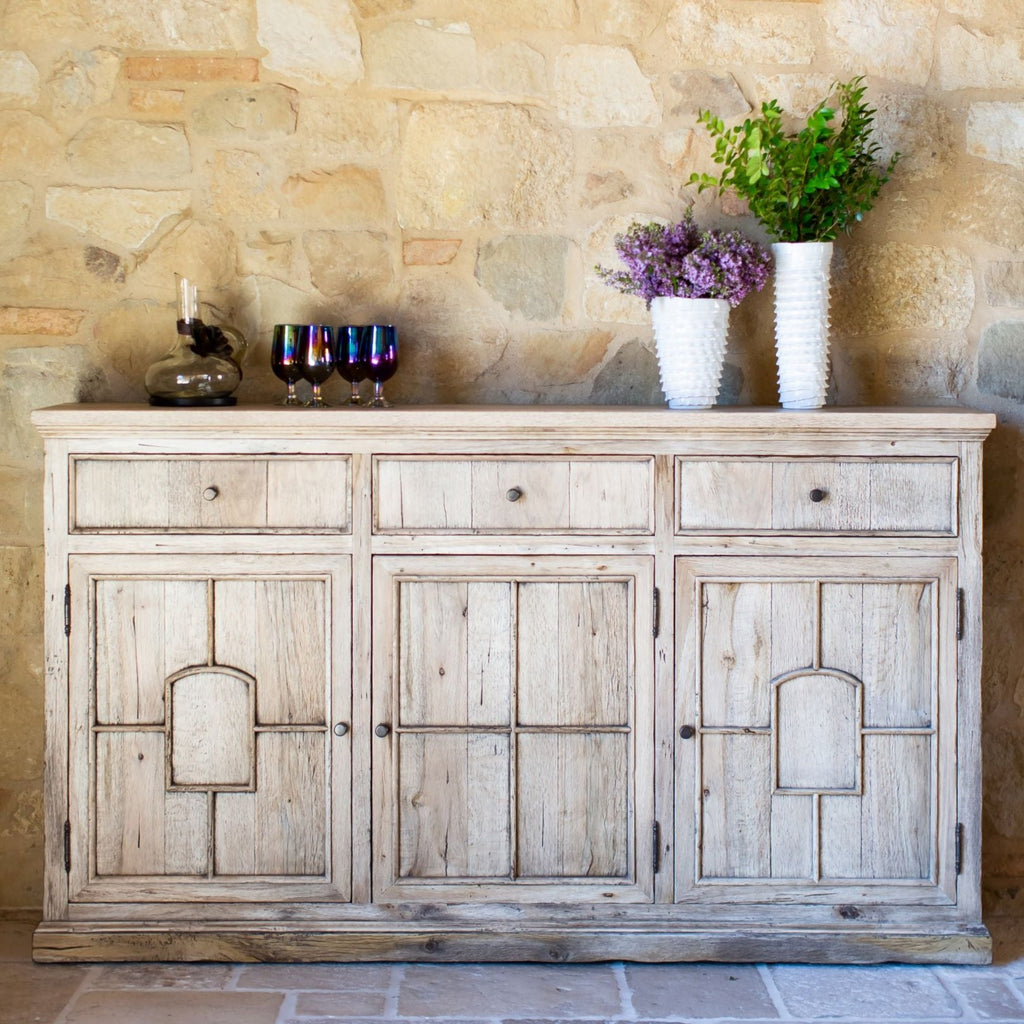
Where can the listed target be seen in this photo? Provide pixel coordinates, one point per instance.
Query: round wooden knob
(818, 495)
(210, 493)
(513, 494)
(340, 729)
(382, 730)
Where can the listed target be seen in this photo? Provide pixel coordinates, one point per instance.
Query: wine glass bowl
(351, 358)
(381, 349)
(284, 359)
(316, 358)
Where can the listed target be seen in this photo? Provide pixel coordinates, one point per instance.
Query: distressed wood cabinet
(513, 683)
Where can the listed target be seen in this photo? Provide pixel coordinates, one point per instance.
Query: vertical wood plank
(146, 630)
(736, 807)
(792, 838)
(453, 806)
(275, 630)
(416, 494)
(572, 809)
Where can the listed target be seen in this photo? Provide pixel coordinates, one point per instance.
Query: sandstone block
(467, 165)
(705, 32)
(351, 266)
(105, 265)
(28, 145)
(19, 23)
(633, 19)
(531, 14)
(979, 207)
(701, 90)
(922, 130)
(83, 80)
(415, 55)
(995, 131)
(191, 69)
(430, 252)
(970, 58)
(630, 377)
(35, 377)
(130, 336)
(1001, 360)
(202, 251)
(159, 152)
(159, 102)
(39, 320)
(347, 197)
(893, 41)
(331, 133)
(268, 254)
(16, 200)
(21, 593)
(260, 113)
(203, 25)
(600, 86)
(602, 302)
(798, 93)
(896, 286)
(240, 187)
(514, 69)
(1004, 284)
(313, 40)
(602, 187)
(19, 79)
(124, 216)
(53, 267)
(525, 273)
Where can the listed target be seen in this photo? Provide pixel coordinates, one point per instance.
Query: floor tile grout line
(774, 994)
(627, 1010)
(394, 992)
(968, 1013)
(288, 1008)
(84, 985)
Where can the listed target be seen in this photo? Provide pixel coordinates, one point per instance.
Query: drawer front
(491, 495)
(817, 495)
(192, 495)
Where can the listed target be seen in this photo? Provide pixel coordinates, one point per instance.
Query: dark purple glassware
(284, 359)
(381, 358)
(351, 358)
(316, 357)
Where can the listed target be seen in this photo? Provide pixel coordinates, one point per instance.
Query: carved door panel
(203, 756)
(816, 730)
(513, 714)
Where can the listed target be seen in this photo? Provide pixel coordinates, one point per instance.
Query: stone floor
(470, 993)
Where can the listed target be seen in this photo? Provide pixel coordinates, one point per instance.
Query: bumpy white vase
(690, 336)
(801, 322)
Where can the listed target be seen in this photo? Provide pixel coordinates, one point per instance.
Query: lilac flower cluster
(683, 260)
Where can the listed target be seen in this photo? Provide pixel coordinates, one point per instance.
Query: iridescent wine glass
(381, 359)
(351, 358)
(284, 359)
(316, 357)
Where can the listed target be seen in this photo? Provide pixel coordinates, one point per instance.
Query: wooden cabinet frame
(684, 778)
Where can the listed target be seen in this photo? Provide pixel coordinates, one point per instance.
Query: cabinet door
(512, 703)
(816, 730)
(204, 760)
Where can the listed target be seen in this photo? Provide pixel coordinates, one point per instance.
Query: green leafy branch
(807, 185)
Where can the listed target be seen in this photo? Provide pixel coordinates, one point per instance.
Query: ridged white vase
(690, 336)
(801, 322)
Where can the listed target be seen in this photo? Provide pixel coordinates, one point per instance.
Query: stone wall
(459, 168)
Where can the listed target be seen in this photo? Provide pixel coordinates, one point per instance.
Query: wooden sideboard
(504, 683)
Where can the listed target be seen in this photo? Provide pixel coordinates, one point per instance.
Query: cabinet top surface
(498, 420)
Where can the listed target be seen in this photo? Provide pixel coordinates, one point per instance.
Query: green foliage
(803, 186)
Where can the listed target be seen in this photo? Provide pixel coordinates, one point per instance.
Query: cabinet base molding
(298, 942)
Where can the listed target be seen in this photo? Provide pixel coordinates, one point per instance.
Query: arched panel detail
(817, 725)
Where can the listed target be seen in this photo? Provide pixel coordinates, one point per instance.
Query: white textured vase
(689, 336)
(801, 322)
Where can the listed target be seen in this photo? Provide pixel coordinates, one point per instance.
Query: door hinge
(67, 846)
(960, 613)
(657, 612)
(959, 847)
(656, 851)
(67, 609)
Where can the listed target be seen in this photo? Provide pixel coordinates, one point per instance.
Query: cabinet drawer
(489, 495)
(817, 495)
(195, 494)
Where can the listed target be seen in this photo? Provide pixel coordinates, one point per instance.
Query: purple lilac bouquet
(684, 260)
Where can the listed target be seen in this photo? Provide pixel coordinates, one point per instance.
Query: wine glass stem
(354, 399)
(292, 398)
(317, 400)
(378, 392)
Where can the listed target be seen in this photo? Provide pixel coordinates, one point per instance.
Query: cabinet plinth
(482, 683)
